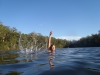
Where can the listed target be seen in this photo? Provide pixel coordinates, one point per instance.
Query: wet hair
(51, 46)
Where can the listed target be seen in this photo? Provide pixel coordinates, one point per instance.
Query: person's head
(52, 47)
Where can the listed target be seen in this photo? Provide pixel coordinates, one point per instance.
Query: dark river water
(65, 61)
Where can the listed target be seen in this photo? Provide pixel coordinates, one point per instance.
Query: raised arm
(49, 40)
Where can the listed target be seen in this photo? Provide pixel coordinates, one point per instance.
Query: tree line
(9, 39)
(88, 41)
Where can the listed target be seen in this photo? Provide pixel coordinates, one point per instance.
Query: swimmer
(51, 47)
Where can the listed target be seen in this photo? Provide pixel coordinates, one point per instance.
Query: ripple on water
(66, 61)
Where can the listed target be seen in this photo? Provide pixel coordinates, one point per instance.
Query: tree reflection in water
(14, 73)
(7, 57)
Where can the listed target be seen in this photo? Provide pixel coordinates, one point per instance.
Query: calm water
(65, 61)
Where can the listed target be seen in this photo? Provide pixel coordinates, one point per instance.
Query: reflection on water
(51, 58)
(14, 73)
(65, 61)
(8, 57)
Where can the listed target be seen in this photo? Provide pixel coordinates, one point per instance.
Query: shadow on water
(65, 61)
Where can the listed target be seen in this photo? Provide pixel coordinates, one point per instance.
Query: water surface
(65, 61)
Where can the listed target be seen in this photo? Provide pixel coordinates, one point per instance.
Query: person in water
(51, 47)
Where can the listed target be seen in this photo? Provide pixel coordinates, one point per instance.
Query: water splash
(31, 47)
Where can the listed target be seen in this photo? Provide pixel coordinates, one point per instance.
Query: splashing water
(31, 47)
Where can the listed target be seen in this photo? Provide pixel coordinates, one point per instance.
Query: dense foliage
(9, 39)
(89, 41)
